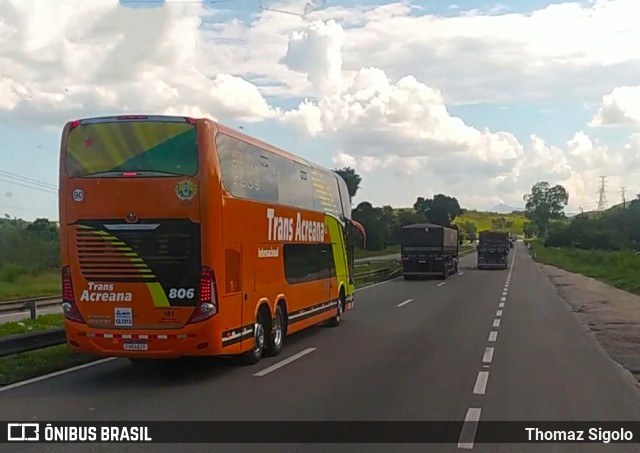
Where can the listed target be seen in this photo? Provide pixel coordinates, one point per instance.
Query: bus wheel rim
(259, 337)
(278, 331)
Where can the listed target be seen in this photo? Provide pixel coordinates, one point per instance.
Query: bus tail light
(69, 306)
(208, 304)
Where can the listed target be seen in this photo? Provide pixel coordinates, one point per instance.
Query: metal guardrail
(32, 304)
(17, 344)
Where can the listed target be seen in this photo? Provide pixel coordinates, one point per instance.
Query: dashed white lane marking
(460, 273)
(402, 304)
(488, 355)
(441, 283)
(469, 428)
(481, 383)
(286, 361)
(57, 373)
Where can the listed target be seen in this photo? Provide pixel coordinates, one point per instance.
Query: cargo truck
(428, 250)
(493, 250)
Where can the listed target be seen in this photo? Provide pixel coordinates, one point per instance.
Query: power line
(29, 187)
(28, 180)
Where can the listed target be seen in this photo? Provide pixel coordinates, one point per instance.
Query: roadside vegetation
(30, 258)
(616, 268)
(604, 245)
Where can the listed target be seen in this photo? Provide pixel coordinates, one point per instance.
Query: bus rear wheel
(254, 355)
(275, 338)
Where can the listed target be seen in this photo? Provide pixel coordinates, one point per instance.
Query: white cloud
(62, 60)
(620, 107)
(404, 128)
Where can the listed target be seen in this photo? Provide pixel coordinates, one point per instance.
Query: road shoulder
(610, 314)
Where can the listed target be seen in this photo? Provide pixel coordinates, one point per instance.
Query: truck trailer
(493, 250)
(428, 250)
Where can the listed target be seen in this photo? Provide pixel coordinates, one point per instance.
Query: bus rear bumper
(197, 341)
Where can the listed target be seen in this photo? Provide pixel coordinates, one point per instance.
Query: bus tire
(254, 355)
(335, 321)
(275, 338)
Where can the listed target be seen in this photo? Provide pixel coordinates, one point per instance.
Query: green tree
(352, 179)
(371, 219)
(544, 204)
(529, 229)
(439, 210)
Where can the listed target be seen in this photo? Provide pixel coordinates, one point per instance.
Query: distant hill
(512, 222)
(615, 207)
(502, 208)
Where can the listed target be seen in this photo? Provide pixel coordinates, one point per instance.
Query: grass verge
(40, 324)
(619, 269)
(25, 286)
(19, 367)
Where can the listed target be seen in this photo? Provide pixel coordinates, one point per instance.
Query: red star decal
(88, 142)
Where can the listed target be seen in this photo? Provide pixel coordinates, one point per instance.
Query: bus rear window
(126, 148)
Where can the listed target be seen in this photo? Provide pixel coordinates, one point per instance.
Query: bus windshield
(116, 148)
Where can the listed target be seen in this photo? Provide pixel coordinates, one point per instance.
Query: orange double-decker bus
(183, 237)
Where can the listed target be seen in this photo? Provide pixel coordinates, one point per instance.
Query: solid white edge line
(496, 323)
(284, 362)
(469, 428)
(481, 383)
(56, 373)
(402, 304)
(493, 336)
(488, 355)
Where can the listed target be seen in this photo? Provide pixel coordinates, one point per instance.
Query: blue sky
(492, 69)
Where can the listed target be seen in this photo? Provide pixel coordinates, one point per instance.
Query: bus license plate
(135, 346)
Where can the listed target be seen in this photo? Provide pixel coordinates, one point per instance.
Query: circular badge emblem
(186, 189)
(78, 194)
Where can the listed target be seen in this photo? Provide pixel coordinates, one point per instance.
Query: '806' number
(182, 293)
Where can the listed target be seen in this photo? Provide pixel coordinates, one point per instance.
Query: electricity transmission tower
(602, 194)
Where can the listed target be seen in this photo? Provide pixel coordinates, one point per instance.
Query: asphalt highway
(489, 345)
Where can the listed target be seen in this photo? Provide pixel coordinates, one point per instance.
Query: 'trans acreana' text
(91, 433)
(597, 434)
